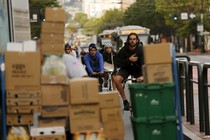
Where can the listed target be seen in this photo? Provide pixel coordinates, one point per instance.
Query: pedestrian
(129, 61)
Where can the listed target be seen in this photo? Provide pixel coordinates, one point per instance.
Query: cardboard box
(52, 122)
(157, 53)
(84, 125)
(24, 93)
(55, 111)
(115, 138)
(55, 14)
(111, 114)
(84, 111)
(20, 72)
(109, 99)
(23, 109)
(159, 73)
(52, 38)
(19, 119)
(23, 101)
(114, 128)
(53, 95)
(53, 48)
(52, 27)
(83, 91)
(44, 131)
(50, 79)
(49, 137)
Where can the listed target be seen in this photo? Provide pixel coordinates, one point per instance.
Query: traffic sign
(184, 16)
(192, 15)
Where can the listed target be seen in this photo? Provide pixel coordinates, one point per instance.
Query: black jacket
(122, 59)
(108, 58)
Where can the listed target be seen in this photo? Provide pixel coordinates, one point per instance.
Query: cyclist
(129, 62)
(94, 64)
(109, 61)
(69, 50)
(74, 67)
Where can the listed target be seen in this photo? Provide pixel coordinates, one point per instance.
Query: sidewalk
(192, 130)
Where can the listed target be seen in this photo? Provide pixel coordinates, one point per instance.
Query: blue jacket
(94, 63)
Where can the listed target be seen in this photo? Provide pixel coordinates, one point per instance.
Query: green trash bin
(152, 100)
(155, 129)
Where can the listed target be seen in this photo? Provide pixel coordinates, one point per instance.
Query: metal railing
(187, 81)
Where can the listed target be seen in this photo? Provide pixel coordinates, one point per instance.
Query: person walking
(129, 61)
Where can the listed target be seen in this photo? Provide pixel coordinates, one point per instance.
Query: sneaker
(126, 105)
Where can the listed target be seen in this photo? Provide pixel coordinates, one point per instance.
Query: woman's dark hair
(137, 37)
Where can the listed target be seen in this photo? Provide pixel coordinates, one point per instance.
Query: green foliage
(143, 13)
(91, 27)
(110, 20)
(81, 18)
(168, 8)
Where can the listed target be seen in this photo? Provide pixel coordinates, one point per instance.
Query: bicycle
(132, 80)
(109, 86)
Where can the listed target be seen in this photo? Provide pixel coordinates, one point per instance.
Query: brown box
(86, 124)
(83, 91)
(109, 99)
(50, 79)
(157, 53)
(159, 73)
(23, 101)
(50, 48)
(111, 114)
(24, 93)
(52, 122)
(115, 138)
(114, 128)
(55, 111)
(84, 111)
(52, 27)
(49, 137)
(19, 119)
(55, 95)
(55, 14)
(52, 38)
(23, 109)
(20, 72)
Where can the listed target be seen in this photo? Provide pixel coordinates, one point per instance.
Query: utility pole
(202, 28)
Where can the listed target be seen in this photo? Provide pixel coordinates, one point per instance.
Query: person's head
(108, 47)
(92, 49)
(133, 40)
(67, 48)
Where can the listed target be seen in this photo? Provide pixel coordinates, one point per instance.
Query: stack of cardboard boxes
(22, 79)
(52, 31)
(54, 87)
(111, 115)
(84, 105)
(158, 66)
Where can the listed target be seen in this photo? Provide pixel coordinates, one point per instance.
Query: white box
(29, 46)
(47, 131)
(14, 47)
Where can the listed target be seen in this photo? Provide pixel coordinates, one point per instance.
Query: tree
(111, 19)
(38, 7)
(81, 18)
(143, 13)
